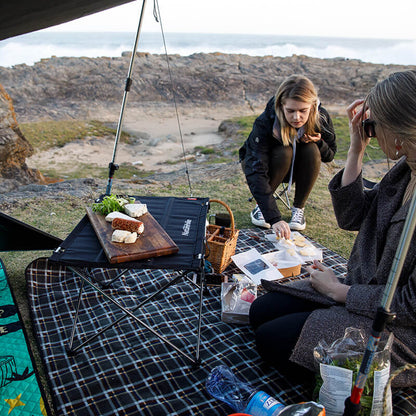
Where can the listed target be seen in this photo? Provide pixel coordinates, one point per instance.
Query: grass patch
(126, 171)
(44, 135)
(204, 150)
(218, 159)
(83, 171)
(373, 151)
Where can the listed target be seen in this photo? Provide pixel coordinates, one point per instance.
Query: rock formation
(14, 148)
(59, 88)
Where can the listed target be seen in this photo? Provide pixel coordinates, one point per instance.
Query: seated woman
(287, 144)
(291, 319)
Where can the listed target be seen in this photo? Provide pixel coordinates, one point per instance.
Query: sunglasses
(369, 127)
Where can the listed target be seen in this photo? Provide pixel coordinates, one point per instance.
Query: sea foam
(31, 48)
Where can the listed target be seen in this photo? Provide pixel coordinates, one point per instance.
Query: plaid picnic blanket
(129, 371)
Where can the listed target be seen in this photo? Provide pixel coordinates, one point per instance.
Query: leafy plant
(111, 203)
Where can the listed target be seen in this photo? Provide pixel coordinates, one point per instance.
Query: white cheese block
(131, 238)
(116, 214)
(135, 210)
(141, 229)
(119, 236)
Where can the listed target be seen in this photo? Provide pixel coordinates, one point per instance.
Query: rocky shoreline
(62, 88)
(92, 88)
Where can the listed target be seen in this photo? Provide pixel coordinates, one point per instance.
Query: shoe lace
(259, 214)
(297, 215)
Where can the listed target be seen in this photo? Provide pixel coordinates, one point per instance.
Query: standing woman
(291, 319)
(287, 144)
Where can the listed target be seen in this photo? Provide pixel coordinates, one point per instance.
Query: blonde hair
(392, 103)
(300, 88)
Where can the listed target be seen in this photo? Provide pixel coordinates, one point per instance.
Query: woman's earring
(398, 146)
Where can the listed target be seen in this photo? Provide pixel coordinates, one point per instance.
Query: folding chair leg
(283, 196)
(70, 349)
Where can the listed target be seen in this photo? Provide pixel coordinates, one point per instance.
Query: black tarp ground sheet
(129, 371)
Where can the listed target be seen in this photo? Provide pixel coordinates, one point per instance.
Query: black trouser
(278, 319)
(305, 170)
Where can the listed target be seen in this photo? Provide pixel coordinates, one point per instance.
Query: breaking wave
(31, 48)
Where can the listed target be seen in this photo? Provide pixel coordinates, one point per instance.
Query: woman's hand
(281, 229)
(355, 117)
(324, 281)
(310, 139)
(358, 143)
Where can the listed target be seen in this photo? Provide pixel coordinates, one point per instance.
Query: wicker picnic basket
(221, 242)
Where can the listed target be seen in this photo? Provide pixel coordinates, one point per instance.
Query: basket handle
(229, 211)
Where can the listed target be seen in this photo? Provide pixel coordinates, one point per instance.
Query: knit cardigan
(379, 217)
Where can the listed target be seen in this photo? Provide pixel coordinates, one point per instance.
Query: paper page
(255, 267)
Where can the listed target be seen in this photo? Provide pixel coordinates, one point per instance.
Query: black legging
(278, 319)
(305, 170)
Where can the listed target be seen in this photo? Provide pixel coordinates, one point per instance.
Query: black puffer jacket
(256, 151)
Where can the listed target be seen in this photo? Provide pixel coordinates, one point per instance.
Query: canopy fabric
(24, 16)
(18, 236)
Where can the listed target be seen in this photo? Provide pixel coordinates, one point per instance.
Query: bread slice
(132, 225)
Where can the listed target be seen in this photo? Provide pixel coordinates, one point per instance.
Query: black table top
(184, 219)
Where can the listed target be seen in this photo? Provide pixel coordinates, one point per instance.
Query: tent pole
(383, 315)
(112, 167)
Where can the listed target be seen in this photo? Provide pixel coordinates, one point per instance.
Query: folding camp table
(184, 219)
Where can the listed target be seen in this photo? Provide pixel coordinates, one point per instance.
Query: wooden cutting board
(153, 242)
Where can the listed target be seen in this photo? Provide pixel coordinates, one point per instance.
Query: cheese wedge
(135, 210)
(116, 214)
(119, 236)
(131, 238)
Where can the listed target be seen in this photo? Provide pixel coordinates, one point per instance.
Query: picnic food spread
(126, 227)
(297, 247)
(127, 231)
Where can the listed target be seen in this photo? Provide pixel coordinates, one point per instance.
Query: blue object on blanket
(20, 388)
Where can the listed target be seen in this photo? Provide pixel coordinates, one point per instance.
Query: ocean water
(30, 48)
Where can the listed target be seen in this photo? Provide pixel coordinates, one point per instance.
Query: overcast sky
(353, 18)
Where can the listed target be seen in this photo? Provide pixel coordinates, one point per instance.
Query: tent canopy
(23, 16)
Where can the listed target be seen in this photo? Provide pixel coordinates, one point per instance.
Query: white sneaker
(258, 219)
(297, 223)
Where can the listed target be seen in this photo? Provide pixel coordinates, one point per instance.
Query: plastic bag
(339, 364)
(297, 247)
(236, 299)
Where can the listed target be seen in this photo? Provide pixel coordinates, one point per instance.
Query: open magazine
(255, 266)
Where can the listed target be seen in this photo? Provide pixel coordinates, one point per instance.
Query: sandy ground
(157, 139)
